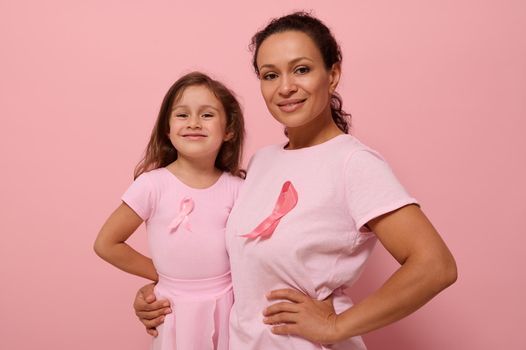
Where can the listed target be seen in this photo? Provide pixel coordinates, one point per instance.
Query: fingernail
(166, 304)
(162, 318)
(168, 311)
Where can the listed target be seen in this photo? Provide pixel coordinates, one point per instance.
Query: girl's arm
(111, 245)
(427, 267)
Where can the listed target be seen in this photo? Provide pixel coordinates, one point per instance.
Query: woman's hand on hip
(149, 310)
(298, 314)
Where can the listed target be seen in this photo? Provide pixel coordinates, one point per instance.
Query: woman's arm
(427, 267)
(111, 245)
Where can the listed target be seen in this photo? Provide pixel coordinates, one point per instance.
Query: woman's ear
(334, 76)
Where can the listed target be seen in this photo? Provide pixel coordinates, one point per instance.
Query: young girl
(184, 190)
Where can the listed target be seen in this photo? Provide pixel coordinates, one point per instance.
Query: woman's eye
(302, 70)
(269, 76)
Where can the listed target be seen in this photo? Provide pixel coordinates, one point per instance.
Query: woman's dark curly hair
(322, 37)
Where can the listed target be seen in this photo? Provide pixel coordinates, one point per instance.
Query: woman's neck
(319, 130)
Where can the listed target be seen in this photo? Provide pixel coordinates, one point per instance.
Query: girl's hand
(149, 310)
(303, 316)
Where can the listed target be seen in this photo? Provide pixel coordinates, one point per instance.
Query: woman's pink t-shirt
(320, 246)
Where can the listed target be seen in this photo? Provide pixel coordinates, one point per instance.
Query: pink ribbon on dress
(287, 200)
(186, 207)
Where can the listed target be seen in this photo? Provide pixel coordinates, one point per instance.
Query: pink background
(438, 88)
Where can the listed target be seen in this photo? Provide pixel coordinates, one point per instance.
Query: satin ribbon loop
(186, 207)
(287, 200)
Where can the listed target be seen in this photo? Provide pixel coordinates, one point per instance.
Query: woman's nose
(287, 85)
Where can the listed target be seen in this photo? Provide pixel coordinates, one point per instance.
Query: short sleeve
(371, 188)
(140, 196)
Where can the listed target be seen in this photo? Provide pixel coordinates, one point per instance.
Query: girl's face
(294, 82)
(198, 123)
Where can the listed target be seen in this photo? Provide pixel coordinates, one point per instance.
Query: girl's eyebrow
(208, 106)
(200, 107)
(291, 63)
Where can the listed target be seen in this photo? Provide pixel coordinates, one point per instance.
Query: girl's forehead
(196, 95)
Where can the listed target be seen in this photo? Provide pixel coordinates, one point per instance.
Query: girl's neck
(319, 130)
(194, 173)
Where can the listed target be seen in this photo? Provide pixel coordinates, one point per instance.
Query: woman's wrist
(338, 333)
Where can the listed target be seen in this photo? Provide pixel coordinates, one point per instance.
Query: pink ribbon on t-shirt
(287, 200)
(186, 207)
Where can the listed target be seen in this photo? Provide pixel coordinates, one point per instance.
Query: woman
(311, 211)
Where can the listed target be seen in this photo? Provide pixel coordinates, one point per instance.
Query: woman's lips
(290, 106)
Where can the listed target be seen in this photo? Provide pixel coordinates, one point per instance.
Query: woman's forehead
(286, 47)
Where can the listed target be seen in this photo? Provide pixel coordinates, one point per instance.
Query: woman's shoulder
(269, 149)
(350, 146)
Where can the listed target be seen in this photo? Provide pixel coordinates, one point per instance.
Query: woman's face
(294, 82)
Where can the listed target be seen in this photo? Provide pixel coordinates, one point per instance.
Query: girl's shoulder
(154, 178)
(232, 180)
(153, 175)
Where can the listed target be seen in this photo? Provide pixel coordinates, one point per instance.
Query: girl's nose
(194, 122)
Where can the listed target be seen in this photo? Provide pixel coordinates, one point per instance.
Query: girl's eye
(302, 70)
(269, 76)
(208, 115)
(181, 115)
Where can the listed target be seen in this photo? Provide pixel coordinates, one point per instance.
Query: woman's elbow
(445, 272)
(450, 272)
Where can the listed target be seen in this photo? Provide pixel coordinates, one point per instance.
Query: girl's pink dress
(186, 236)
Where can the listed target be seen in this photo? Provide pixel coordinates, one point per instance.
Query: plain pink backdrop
(438, 87)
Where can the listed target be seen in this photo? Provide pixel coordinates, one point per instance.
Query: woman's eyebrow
(291, 63)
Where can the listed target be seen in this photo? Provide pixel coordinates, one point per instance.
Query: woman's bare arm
(427, 267)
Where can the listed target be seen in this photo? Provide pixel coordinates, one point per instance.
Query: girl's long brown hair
(160, 152)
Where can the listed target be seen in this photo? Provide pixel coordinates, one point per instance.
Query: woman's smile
(291, 105)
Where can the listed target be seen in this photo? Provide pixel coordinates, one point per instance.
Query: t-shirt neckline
(313, 147)
(216, 183)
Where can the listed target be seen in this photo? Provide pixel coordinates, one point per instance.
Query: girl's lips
(194, 137)
(291, 106)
